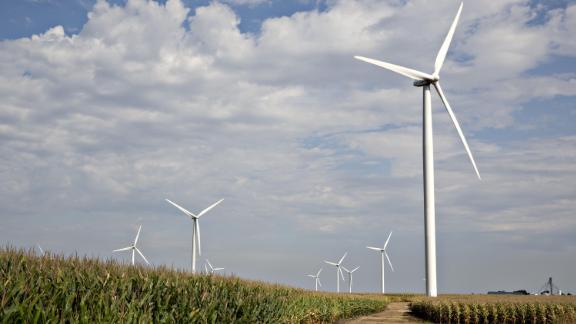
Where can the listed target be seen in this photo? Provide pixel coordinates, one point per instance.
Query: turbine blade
(331, 263)
(444, 49)
(218, 269)
(181, 209)
(123, 249)
(457, 125)
(137, 235)
(318, 273)
(40, 248)
(355, 269)
(197, 224)
(345, 269)
(319, 284)
(341, 273)
(205, 268)
(211, 206)
(389, 262)
(412, 74)
(209, 264)
(342, 259)
(374, 248)
(142, 255)
(387, 240)
(311, 276)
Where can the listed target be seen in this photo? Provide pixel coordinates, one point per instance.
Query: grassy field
(495, 309)
(74, 289)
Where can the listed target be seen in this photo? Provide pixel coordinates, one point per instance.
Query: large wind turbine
(195, 228)
(316, 279)
(338, 271)
(424, 80)
(350, 277)
(134, 248)
(382, 254)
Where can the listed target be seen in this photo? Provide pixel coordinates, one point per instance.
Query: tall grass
(75, 289)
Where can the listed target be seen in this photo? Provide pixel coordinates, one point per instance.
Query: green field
(74, 289)
(495, 309)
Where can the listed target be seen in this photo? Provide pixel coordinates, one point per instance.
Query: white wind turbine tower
(134, 248)
(350, 277)
(212, 269)
(424, 80)
(195, 228)
(338, 271)
(316, 279)
(382, 254)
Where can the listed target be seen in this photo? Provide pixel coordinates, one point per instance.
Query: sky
(109, 107)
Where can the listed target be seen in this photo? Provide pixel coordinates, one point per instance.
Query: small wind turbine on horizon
(338, 271)
(134, 248)
(40, 248)
(195, 228)
(350, 277)
(316, 279)
(212, 269)
(424, 80)
(382, 254)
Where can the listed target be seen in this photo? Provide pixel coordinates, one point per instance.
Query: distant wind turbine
(316, 279)
(212, 269)
(195, 228)
(134, 248)
(350, 277)
(40, 248)
(382, 254)
(424, 80)
(338, 271)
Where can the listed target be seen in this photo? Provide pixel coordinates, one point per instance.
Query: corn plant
(53, 288)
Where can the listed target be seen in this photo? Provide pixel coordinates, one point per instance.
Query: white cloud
(151, 101)
(247, 2)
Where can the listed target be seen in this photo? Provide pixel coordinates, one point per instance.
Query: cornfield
(470, 311)
(79, 289)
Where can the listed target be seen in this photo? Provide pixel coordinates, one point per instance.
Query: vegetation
(496, 309)
(74, 289)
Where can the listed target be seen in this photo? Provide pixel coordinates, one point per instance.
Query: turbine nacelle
(422, 83)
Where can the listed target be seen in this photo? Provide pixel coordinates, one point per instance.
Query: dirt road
(394, 313)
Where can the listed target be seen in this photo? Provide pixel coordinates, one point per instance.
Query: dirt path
(394, 313)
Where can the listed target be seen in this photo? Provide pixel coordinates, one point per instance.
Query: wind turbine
(40, 248)
(350, 277)
(424, 80)
(134, 248)
(316, 279)
(382, 254)
(195, 228)
(338, 271)
(212, 269)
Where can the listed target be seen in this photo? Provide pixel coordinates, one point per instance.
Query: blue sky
(110, 107)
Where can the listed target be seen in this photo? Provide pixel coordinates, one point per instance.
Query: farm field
(495, 309)
(75, 289)
(57, 288)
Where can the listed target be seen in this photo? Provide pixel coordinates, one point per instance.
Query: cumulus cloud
(150, 101)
